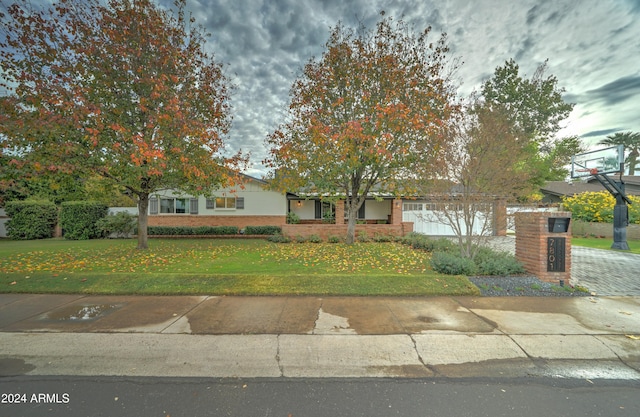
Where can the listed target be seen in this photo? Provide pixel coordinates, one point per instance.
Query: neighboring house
(553, 191)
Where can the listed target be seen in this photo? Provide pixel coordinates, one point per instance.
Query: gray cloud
(617, 91)
(591, 45)
(600, 133)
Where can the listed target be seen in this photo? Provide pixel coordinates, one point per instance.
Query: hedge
(262, 230)
(31, 219)
(188, 231)
(79, 219)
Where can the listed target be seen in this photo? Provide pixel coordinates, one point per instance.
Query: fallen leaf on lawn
(13, 283)
(626, 312)
(630, 336)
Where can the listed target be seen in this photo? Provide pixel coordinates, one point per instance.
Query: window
(324, 210)
(412, 207)
(170, 205)
(225, 203)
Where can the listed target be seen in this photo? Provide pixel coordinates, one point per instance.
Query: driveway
(604, 272)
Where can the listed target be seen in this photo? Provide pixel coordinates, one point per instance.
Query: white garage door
(426, 221)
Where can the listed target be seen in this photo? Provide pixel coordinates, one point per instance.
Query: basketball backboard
(602, 161)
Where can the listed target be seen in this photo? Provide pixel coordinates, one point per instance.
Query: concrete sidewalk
(572, 337)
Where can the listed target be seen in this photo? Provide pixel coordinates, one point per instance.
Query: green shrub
(334, 239)
(382, 238)
(188, 231)
(300, 239)
(292, 218)
(490, 262)
(452, 264)
(424, 242)
(444, 245)
(121, 224)
(79, 219)
(31, 219)
(262, 230)
(278, 238)
(363, 237)
(315, 239)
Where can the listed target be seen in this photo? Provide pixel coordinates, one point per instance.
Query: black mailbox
(559, 224)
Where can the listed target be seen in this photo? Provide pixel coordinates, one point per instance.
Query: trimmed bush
(363, 237)
(121, 224)
(292, 218)
(31, 219)
(424, 242)
(79, 219)
(334, 239)
(315, 239)
(191, 231)
(451, 264)
(262, 230)
(380, 238)
(490, 262)
(278, 238)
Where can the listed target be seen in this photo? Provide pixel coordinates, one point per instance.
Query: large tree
(124, 90)
(363, 114)
(631, 142)
(535, 106)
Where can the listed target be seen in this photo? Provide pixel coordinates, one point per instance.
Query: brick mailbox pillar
(543, 244)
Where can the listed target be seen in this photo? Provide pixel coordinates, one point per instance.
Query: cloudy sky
(593, 47)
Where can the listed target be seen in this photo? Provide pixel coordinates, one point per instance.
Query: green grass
(221, 267)
(602, 243)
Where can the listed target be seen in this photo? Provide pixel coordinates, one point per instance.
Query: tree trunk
(143, 208)
(351, 226)
(352, 208)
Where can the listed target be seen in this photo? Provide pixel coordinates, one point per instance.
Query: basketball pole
(598, 164)
(620, 211)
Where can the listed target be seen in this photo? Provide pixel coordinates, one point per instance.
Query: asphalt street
(194, 397)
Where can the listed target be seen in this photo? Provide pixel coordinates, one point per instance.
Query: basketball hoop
(592, 171)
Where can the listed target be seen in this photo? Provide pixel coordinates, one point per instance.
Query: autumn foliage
(362, 114)
(123, 89)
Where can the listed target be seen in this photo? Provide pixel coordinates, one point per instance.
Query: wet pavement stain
(82, 313)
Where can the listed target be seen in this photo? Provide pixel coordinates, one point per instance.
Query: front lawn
(602, 243)
(221, 267)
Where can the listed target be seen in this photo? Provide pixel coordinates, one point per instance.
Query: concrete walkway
(569, 337)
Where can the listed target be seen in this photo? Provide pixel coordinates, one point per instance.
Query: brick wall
(202, 220)
(532, 233)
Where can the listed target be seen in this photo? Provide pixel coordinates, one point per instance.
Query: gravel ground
(523, 286)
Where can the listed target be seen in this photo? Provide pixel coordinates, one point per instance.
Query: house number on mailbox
(555, 254)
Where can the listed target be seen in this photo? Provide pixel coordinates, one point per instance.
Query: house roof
(561, 188)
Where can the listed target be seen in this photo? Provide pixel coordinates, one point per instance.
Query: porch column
(396, 211)
(339, 213)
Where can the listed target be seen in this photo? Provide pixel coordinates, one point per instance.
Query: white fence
(3, 221)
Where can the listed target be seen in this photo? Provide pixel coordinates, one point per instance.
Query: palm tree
(631, 142)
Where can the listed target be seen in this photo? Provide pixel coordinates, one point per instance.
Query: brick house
(253, 204)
